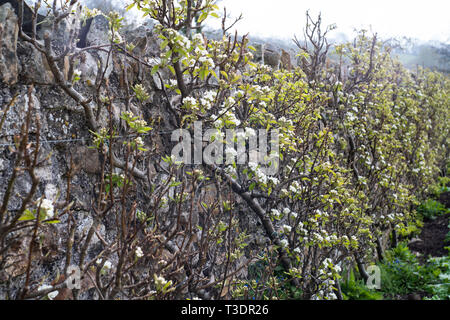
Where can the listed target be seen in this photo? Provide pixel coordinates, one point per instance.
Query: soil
(433, 234)
(444, 198)
(431, 241)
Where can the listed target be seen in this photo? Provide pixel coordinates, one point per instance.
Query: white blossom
(51, 295)
(284, 242)
(47, 208)
(274, 180)
(77, 73)
(197, 37)
(139, 253)
(332, 296)
(139, 141)
(106, 266)
(240, 135)
(160, 281)
(275, 213)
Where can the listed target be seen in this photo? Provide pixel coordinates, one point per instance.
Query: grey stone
(271, 56)
(85, 225)
(67, 28)
(17, 112)
(98, 35)
(258, 54)
(145, 41)
(9, 30)
(89, 68)
(34, 66)
(86, 159)
(98, 32)
(62, 118)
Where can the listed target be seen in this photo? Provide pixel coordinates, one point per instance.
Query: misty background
(419, 31)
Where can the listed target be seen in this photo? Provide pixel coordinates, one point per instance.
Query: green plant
(431, 209)
(356, 289)
(447, 237)
(402, 274)
(441, 266)
(442, 185)
(263, 285)
(411, 228)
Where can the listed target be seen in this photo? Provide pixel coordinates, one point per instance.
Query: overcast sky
(425, 20)
(422, 19)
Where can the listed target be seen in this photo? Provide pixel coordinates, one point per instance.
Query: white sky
(422, 19)
(425, 20)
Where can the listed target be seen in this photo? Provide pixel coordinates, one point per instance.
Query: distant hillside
(432, 56)
(412, 53)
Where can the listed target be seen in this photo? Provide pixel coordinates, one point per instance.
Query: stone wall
(28, 81)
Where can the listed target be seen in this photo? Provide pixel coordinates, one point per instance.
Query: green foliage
(46, 213)
(431, 209)
(266, 282)
(412, 228)
(442, 185)
(402, 274)
(355, 289)
(441, 267)
(141, 93)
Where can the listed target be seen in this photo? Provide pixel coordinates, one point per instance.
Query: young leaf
(27, 215)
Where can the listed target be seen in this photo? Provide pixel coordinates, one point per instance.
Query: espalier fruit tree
(343, 180)
(358, 137)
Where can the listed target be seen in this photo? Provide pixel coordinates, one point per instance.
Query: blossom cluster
(328, 273)
(47, 208)
(260, 176)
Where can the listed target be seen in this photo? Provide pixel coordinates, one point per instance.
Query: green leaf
(166, 286)
(203, 73)
(154, 69)
(175, 184)
(236, 79)
(164, 44)
(27, 215)
(214, 74)
(202, 17)
(225, 75)
(168, 54)
(172, 69)
(53, 221)
(251, 64)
